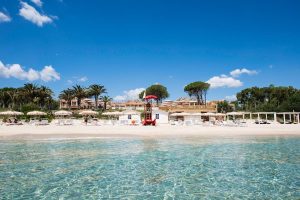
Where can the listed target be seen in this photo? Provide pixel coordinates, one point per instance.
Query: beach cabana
(293, 117)
(265, 115)
(235, 114)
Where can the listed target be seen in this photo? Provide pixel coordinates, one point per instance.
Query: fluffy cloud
(238, 72)
(31, 14)
(4, 17)
(37, 2)
(224, 81)
(129, 95)
(230, 98)
(47, 74)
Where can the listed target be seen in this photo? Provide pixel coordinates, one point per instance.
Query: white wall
(136, 118)
(163, 116)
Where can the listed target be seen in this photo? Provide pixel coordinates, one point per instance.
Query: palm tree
(67, 95)
(95, 91)
(29, 90)
(105, 100)
(80, 93)
(44, 94)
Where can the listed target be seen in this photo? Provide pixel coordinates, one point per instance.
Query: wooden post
(284, 118)
(251, 116)
(275, 117)
(298, 118)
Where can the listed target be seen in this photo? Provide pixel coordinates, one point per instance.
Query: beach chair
(172, 122)
(68, 122)
(44, 122)
(188, 123)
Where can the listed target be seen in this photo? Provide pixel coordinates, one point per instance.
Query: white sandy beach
(82, 131)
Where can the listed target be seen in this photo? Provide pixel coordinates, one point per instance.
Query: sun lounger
(42, 123)
(188, 123)
(68, 122)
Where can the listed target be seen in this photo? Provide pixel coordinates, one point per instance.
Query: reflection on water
(180, 168)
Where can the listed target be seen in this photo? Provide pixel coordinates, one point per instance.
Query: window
(156, 116)
(129, 116)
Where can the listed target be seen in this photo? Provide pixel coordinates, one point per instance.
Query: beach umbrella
(36, 113)
(11, 113)
(62, 113)
(88, 112)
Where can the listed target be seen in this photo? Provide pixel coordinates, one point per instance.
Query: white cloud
(47, 74)
(230, 98)
(4, 17)
(224, 81)
(129, 95)
(32, 15)
(238, 72)
(37, 2)
(83, 79)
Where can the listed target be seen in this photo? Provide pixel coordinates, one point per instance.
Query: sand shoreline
(81, 131)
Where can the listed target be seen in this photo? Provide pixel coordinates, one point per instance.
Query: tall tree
(67, 95)
(80, 93)
(199, 90)
(44, 95)
(158, 90)
(95, 91)
(224, 107)
(29, 90)
(266, 98)
(105, 99)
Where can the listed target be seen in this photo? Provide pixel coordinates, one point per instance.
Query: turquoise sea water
(182, 168)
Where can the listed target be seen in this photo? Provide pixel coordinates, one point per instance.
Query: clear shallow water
(183, 168)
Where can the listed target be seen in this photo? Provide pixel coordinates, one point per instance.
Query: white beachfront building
(130, 117)
(161, 117)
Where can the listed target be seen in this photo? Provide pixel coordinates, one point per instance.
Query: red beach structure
(148, 111)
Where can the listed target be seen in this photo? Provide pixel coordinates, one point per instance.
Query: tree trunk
(78, 103)
(198, 99)
(96, 102)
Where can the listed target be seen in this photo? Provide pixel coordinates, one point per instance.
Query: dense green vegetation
(93, 91)
(224, 107)
(34, 97)
(26, 98)
(269, 99)
(158, 90)
(199, 90)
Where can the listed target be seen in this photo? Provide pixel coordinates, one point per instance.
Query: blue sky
(128, 45)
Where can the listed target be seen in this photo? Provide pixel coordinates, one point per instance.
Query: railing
(188, 108)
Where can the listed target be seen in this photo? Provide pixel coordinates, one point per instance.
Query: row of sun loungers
(210, 123)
